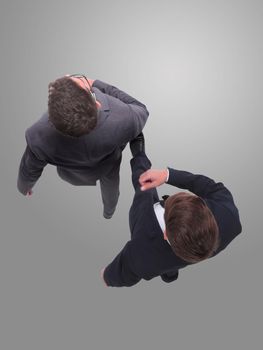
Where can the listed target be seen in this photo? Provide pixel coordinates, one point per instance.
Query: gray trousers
(109, 186)
(109, 183)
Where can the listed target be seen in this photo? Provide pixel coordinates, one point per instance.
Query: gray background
(197, 65)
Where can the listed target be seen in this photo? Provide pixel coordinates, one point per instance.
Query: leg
(109, 185)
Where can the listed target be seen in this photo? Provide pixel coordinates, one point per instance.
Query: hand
(102, 276)
(91, 81)
(29, 193)
(152, 178)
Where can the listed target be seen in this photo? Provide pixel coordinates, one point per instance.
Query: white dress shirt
(159, 212)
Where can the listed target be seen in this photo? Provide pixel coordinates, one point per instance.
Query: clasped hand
(152, 178)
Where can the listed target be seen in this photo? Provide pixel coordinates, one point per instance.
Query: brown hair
(190, 227)
(71, 109)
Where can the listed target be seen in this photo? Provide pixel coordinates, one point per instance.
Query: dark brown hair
(71, 109)
(190, 227)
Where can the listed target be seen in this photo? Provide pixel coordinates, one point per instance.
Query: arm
(115, 92)
(119, 272)
(214, 193)
(29, 171)
(133, 114)
(200, 185)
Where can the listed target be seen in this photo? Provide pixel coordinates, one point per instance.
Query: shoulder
(41, 135)
(152, 257)
(141, 254)
(39, 128)
(228, 221)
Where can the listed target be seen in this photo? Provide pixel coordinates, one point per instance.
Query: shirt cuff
(168, 174)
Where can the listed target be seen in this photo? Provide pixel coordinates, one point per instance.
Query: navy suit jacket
(147, 254)
(83, 160)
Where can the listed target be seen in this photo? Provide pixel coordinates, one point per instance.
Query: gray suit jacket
(83, 160)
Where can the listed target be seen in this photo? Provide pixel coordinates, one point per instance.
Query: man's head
(72, 108)
(191, 228)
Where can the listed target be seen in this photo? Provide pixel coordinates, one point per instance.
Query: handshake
(83, 133)
(153, 178)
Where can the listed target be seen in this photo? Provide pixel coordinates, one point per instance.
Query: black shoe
(106, 216)
(137, 145)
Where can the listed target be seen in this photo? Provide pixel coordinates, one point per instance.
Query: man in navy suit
(87, 126)
(166, 236)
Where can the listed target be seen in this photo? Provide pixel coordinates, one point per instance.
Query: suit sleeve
(134, 115)
(203, 187)
(120, 272)
(30, 170)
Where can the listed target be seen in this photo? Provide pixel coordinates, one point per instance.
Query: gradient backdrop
(197, 65)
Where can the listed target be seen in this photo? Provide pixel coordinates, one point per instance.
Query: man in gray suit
(87, 126)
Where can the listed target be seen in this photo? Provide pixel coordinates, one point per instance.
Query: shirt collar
(159, 212)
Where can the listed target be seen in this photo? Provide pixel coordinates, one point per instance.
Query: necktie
(162, 202)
